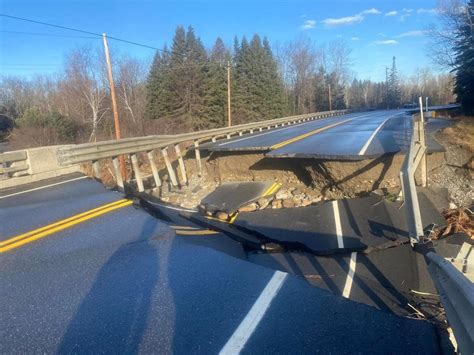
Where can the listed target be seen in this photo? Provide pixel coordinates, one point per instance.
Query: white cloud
(349, 20)
(407, 10)
(416, 33)
(355, 38)
(426, 11)
(342, 21)
(371, 11)
(308, 24)
(391, 13)
(386, 42)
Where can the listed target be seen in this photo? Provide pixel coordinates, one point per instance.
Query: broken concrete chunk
(249, 208)
(230, 197)
(222, 216)
(283, 195)
(276, 204)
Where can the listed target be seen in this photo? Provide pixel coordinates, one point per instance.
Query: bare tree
(131, 91)
(85, 79)
(443, 35)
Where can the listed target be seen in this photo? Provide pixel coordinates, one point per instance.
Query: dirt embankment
(325, 178)
(322, 179)
(457, 174)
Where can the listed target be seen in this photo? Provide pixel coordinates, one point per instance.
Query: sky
(374, 30)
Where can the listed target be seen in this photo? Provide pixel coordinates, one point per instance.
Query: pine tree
(464, 59)
(215, 97)
(259, 88)
(394, 93)
(157, 90)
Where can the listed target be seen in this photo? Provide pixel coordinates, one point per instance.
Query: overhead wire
(98, 35)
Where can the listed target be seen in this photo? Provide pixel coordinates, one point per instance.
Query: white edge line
(43, 187)
(337, 222)
(350, 275)
(246, 328)
(372, 136)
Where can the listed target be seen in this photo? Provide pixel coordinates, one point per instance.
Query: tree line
(184, 88)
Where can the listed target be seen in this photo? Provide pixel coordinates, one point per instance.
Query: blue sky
(375, 30)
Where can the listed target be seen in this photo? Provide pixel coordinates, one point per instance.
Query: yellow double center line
(42, 232)
(272, 189)
(308, 134)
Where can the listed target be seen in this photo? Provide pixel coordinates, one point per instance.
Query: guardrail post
(182, 168)
(171, 173)
(260, 129)
(240, 133)
(154, 170)
(198, 157)
(118, 174)
(136, 170)
(96, 169)
(228, 135)
(213, 139)
(424, 160)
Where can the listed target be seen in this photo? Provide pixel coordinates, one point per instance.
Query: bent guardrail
(457, 296)
(93, 152)
(455, 290)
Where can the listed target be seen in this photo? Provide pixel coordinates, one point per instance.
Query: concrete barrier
(42, 164)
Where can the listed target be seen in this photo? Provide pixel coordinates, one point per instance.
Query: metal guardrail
(93, 152)
(13, 162)
(455, 290)
(415, 156)
(457, 296)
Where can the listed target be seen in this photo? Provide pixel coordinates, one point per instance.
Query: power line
(78, 30)
(46, 34)
(98, 35)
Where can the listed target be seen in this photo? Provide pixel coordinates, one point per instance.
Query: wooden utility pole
(229, 109)
(118, 133)
(330, 97)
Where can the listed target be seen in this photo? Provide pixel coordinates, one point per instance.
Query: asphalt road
(354, 136)
(118, 280)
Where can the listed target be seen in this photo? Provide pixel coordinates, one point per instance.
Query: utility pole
(426, 103)
(229, 109)
(329, 96)
(118, 133)
(386, 86)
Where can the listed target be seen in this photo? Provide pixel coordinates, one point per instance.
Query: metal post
(198, 157)
(426, 103)
(229, 109)
(118, 174)
(154, 170)
(330, 98)
(182, 168)
(424, 160)
(96, 169)
(136, 170)
(171, 173)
